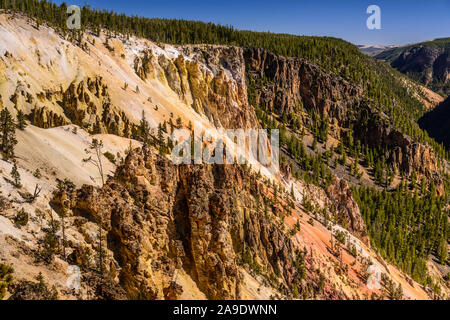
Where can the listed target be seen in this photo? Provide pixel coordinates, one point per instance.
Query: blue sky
(402, 21)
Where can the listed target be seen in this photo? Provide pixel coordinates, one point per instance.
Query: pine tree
(161, 141)
(144, 130)
(7, 134)
(442, 250)
(21, 121)
(6, 278)
(16, 176)
(179, 122)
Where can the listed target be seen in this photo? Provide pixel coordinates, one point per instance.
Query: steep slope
(295, 91)
(437, 123)
(212, 223)
(427, 62)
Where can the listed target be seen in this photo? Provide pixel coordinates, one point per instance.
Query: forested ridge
(407, 227)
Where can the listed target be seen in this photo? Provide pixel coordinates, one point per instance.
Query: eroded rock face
(347, 209)
(407, 156)
(85, 103)
(204, 219)
(45, 118)
(215, 80)
(5, 204)
(144, 65)
(289, 83)
(211, 80)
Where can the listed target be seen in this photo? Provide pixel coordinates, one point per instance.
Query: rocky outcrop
(407, 156)
(5, 204)
(45, 118)
(144, 65)
(85, 103)
(211, 79)
(411, 156)
(287, 85)
(207, 220)
(348, 213)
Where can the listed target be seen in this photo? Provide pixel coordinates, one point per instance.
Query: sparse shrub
(16, 176)
(21, 218)
(353, 251)
(6, 278)
(50, 242)
(65, 184)
(340, 236)
(295, 229)
(7, 134)
(21, 120)
(108, 155)
(37, 173)
(179, 122)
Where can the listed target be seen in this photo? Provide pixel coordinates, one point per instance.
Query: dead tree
(30, 198)
(63, 228)
(95, 158)
(37, 191)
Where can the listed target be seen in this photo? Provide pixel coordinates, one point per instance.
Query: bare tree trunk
(100, 166)
(100, 249)
(63, 234)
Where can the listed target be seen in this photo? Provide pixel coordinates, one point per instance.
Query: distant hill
(426, 62)
(374, 50)
(437, 122)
